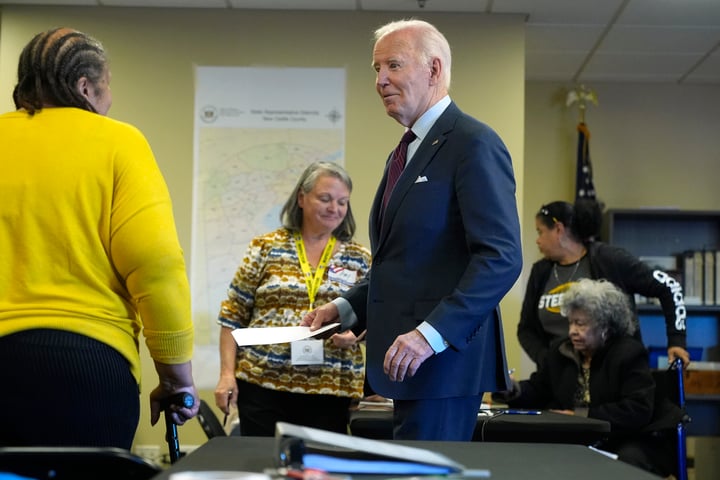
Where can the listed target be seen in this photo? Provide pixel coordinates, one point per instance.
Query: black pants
(64, 389)
(260, 408)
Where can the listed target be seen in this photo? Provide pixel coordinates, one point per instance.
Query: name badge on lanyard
(307, 352)
(310, 352)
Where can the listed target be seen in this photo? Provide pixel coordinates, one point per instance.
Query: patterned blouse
(269, 290)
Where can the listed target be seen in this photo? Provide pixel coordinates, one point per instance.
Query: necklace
(557, 278)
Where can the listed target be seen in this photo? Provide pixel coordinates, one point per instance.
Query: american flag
(584, 186)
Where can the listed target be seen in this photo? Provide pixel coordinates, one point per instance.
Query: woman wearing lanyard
(309, 261)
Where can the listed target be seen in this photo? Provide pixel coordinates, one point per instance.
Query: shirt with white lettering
(560, 279)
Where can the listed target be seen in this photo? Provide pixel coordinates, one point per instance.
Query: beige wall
(652, 145)
(153, 51)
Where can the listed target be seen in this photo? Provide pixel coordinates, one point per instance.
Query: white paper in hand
(269, 335)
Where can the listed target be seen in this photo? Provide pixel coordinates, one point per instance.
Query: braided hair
(50, 67)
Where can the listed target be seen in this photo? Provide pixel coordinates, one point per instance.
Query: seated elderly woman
(600, 371)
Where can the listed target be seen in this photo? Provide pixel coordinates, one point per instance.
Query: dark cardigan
(617, 266)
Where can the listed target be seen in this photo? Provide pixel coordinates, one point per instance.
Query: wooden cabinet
(658, 234)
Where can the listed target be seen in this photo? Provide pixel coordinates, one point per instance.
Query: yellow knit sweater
(87, 236)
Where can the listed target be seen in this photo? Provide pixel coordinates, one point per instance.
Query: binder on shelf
(690, 270)
(698, 275)
(717, 277)
(305, 447)
(709, 277)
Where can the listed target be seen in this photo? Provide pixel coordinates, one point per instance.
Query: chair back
(670, 413)
(209, 421)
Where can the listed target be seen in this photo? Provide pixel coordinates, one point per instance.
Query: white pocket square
(421, 179)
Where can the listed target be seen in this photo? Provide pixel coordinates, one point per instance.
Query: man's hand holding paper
(322, 315)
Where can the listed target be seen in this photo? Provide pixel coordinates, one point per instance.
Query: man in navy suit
(446, 249)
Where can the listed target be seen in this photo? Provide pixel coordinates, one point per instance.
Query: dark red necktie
(397, 164)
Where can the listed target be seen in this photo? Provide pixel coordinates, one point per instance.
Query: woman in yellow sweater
(90, 258)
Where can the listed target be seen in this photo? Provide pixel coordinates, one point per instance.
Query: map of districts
(243, 176)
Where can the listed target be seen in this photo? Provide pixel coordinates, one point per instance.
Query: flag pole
(584, 185)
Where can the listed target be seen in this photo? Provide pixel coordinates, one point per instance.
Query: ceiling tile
(294, 4)
(708, 72)
(429, 5)
(589, 12)
(649, 67)
(165, 3)
(50, 2)
(560, 38)
(653, 39)
(672, 12)
(553, 66)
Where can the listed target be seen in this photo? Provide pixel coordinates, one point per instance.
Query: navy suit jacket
(447, 252)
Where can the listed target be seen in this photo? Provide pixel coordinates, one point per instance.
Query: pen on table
(514, 411)
(228, 407)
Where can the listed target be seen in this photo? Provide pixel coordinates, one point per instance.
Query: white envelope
(269, 335)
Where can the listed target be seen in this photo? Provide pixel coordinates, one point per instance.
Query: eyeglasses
(545, 212)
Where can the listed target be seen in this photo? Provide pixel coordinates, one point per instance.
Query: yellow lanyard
(313, 282)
